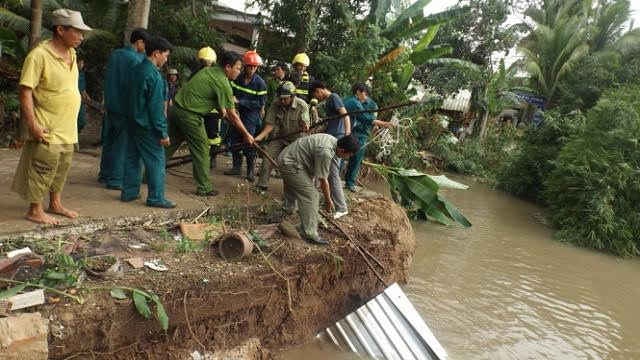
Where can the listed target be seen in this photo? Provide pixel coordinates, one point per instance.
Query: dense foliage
(532, 163)
(594, 191)
(479, 157)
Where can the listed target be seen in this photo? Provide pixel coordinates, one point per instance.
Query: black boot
(237, 164)
(251, 168)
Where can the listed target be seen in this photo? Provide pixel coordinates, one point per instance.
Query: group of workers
(147, 118)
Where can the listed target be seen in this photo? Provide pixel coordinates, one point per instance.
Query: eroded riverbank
(281, 296)
(505, 289)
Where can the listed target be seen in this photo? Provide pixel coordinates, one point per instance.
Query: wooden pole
(266, 155)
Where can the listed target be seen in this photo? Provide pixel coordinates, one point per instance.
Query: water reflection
(505, 290)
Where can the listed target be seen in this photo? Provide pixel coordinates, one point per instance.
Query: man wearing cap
(172, 85)
(287, 120)
(250, 92)
(208, 89)
(115, 124)
(49, 103)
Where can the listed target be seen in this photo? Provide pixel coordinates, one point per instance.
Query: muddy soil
(282, 296)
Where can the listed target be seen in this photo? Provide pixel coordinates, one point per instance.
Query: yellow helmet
(301, 58)
(207, 54)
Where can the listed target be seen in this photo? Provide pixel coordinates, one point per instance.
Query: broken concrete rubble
(24, 337)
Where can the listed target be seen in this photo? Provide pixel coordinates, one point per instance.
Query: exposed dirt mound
(281, 296)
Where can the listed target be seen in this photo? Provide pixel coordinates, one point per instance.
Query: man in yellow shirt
(49, 102)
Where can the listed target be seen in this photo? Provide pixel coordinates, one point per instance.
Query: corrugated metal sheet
(461, 102)
(387, 327)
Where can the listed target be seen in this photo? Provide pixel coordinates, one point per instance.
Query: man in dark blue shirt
(250, 91)
(338, 126)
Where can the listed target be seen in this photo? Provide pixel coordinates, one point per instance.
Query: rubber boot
(237, 164)
(251, 168)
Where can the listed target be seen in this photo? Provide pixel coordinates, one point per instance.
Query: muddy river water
(504, 289)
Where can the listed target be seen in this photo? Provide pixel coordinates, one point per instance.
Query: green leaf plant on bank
(142, 300)
(21, 285)
(418, 193)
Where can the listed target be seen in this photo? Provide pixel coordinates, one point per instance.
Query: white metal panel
(387, 327)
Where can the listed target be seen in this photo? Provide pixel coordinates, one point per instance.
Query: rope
(385, 137)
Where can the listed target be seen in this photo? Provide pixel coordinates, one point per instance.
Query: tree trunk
(137, 16)
(36, 23)
(483, 124)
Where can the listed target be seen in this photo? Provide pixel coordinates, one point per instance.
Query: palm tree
(568, 33)
(551, 50)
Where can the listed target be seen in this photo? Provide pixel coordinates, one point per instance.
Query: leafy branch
(418, 193)
(142, 299)
(23, 284)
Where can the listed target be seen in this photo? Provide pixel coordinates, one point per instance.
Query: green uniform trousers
(189, 126)
(114, 144)
(299, 190)
(143, 147)
(273, 148)
(355, 162)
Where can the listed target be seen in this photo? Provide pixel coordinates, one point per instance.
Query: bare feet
(41, 218)
(61, 210)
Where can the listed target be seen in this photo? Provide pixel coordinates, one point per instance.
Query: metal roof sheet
(460, 102)
(386, 327)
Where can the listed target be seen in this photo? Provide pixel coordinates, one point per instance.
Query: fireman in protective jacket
(300, 77)
(250, 92)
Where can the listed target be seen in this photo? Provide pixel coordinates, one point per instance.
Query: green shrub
(524, 175)
(479, 157)
(594, 191)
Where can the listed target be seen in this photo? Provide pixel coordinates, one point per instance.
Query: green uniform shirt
(147, 94)
(312, 153)
(117, 81)
(208, 89)
(286, 119)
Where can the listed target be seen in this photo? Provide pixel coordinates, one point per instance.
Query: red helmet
(251, 57)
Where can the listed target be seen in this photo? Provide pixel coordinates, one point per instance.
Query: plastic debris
(156, 264)
(23, 251)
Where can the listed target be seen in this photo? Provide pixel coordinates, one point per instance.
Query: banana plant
(418, 193)
(411, 34)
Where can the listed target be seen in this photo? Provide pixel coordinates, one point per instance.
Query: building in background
(240, 28)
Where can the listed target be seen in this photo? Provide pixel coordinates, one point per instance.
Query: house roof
(460, 102)
(225, 13)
